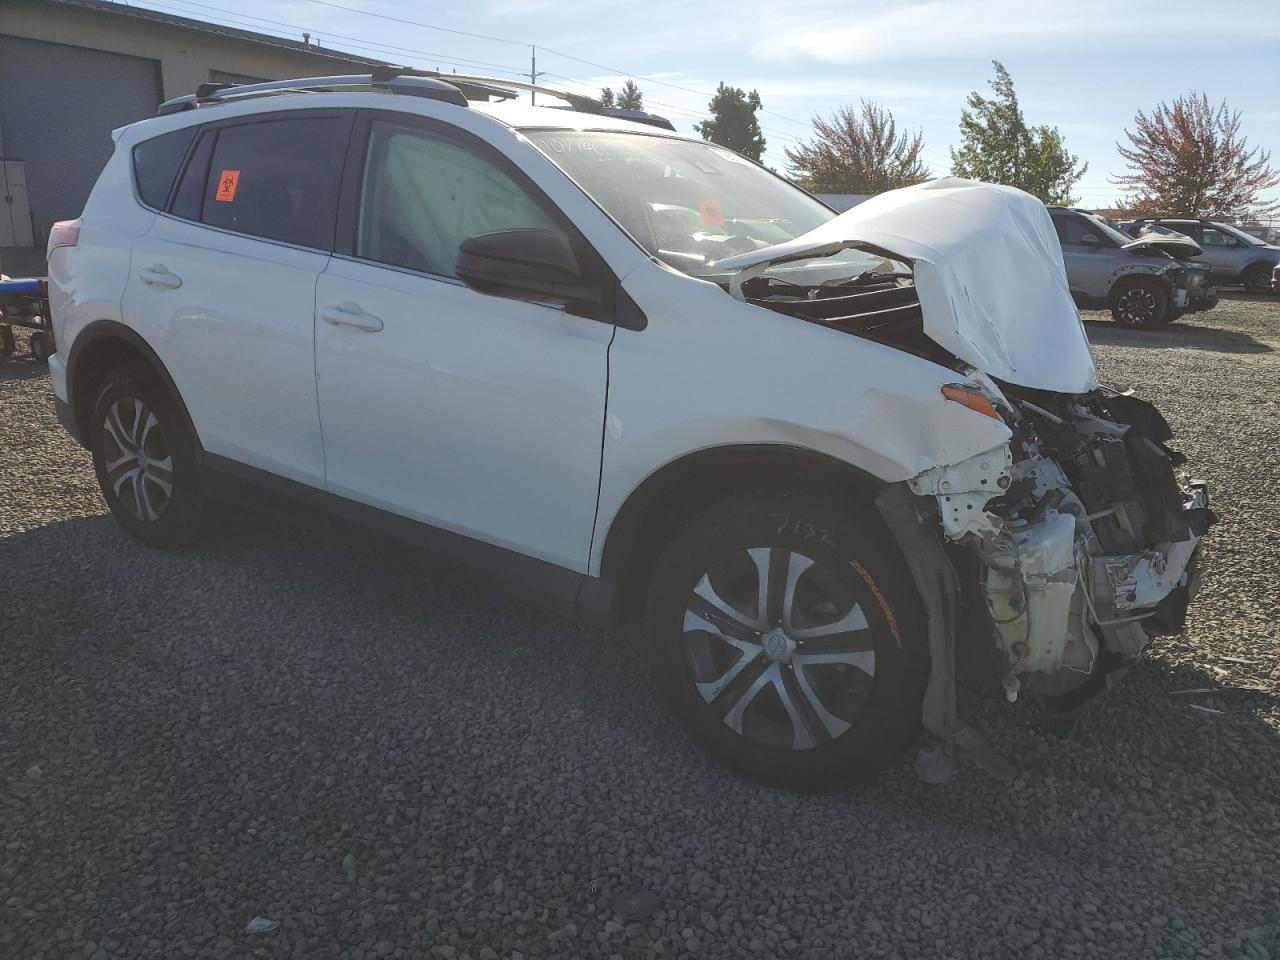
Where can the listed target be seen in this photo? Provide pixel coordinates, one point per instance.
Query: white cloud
(934, 29)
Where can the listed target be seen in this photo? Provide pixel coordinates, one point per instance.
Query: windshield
(1103, 224)
(688, 204)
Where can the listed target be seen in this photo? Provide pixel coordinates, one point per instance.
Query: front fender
(710, 372)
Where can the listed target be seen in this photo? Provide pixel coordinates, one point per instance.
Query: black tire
(871, 717)
(163, 454)
(7, 342)
(41, 346)
(1140, 303)
(1257, 279)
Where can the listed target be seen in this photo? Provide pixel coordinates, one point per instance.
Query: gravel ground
(386, 761)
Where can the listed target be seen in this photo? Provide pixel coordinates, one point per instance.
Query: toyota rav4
(823, 463)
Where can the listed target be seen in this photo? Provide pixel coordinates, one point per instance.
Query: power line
(356, 41)
(544, 48)
(376, 47)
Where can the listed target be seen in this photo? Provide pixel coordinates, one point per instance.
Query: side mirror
(527, 264)
(1090, 240)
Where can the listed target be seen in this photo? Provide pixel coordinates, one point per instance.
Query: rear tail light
(65, 233)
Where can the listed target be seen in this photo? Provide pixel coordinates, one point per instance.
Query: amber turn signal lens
(971, 398)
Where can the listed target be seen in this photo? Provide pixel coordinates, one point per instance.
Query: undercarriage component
(1082, 536)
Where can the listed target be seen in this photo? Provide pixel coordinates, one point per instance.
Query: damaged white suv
(826, 462)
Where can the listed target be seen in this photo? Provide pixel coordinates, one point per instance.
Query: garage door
(58, 106)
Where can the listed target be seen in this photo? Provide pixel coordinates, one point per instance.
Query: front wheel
(786, 635)
(1257, 279)
(145, 459)
(1140, 302)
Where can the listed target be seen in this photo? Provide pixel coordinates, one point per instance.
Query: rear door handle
(158, 276)
(348, 314)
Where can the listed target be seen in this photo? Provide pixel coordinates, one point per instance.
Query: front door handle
(160, 277)
(348, 314)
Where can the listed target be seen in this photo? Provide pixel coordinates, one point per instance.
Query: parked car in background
(818, 459)
(1145, 282)
(1234, 255)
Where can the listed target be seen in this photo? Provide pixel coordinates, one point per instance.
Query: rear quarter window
(277, 179)
(155, 164)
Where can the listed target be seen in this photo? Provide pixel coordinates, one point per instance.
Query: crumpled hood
(988, 272)
(1176, 245)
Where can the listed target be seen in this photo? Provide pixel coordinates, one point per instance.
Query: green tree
(733, 122)
(999, 147)
(606, 97)
(630, 97)
(858, 151)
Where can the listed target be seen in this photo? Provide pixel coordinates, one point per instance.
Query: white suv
(824, 462)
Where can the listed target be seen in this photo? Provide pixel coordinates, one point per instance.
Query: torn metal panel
(1081, 532)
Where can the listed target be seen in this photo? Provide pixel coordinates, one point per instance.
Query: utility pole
(533, 72)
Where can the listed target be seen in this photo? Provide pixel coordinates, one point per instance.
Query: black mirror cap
(527, 264)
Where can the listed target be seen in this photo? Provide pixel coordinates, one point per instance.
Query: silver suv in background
(1234, 255)
(1145, 282)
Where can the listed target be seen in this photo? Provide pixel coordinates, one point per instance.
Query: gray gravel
(388, 762)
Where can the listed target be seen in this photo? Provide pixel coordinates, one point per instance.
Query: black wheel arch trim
(630, 519)
(95, 333)
(1268, 265)
(1159, 278)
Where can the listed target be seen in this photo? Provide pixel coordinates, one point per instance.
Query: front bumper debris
(1083, 542)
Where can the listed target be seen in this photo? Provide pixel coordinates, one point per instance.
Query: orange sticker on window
(712, 213)
(228, 180)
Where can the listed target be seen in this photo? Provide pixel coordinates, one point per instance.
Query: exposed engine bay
(1083, 541)
(880, 305)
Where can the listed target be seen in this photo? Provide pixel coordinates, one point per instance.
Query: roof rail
(485, 87)
(417, 86)
(452, 88)
(477, 82)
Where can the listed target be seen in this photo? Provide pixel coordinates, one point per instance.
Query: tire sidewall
(1164, 312)
(852, 544)
(1257, 279)
(180, 521)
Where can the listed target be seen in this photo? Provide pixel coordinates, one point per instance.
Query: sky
(1084, 66)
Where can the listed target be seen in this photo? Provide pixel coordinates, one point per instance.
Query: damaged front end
(1046, 563)
(1078, 540)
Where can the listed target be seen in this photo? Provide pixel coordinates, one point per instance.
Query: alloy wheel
(779, 648)
(136, 459)
(1137, 306)
(1258, 282)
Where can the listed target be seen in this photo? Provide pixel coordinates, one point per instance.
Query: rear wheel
(1140, 302)
(1257, 279)
(786, 635)
(144, 457)
(41, 346)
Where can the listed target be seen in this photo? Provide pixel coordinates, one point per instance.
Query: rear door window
(155, 164)
(277, 179)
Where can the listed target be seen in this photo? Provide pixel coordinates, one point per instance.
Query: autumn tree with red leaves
(1189, 159)
(858, 152)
